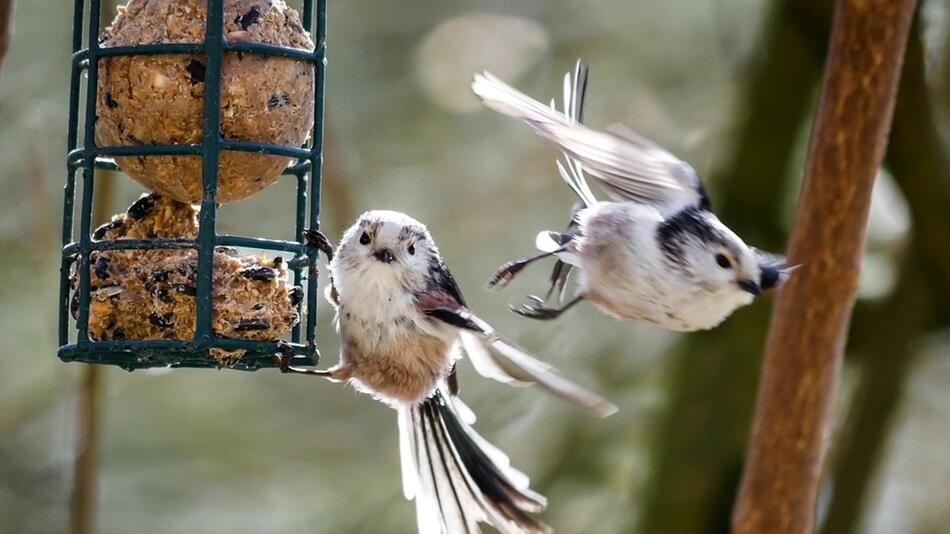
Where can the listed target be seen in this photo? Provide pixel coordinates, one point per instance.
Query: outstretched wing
(495, 358)
(628, 166)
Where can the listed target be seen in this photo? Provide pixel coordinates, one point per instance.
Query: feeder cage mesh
(85, 158)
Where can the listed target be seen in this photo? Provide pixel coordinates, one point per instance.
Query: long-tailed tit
(656, 252)
(401, 317)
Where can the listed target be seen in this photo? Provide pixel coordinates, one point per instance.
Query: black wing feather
(442, 279)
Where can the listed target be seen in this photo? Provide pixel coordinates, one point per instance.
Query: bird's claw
(285, 353)
(505, 273)
(316, 239)
(539, 310)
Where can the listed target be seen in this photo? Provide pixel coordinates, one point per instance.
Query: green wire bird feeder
(87, 158)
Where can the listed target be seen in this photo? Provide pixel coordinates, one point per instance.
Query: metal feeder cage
(87, 158)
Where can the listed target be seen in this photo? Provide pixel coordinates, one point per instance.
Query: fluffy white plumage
(655, 252)
(403, 324)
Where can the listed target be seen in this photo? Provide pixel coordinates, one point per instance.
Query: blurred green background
(729, 85)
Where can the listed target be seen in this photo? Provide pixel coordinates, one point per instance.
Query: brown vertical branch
(6, 28)
(811, 316)
(337, 191)
(697, 451)
(83, 499)
(36, 180)
(920, 165)
(85, 468)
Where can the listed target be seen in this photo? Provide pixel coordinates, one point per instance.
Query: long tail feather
(457, 478)
(495, 358)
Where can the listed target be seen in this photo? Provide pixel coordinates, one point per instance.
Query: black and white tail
(456, 477)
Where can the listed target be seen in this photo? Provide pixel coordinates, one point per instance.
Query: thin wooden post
(6, 28)
(810, 321)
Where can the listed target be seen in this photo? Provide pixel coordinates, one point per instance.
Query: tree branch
(83, 498)
(6, 28)
(86, 467)
(811, 315)
(698, 448)
(921, 168)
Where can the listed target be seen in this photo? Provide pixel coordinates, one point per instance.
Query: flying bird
(404, 324)
(654, 252)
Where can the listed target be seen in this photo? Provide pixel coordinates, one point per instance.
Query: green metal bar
(69, 191)
(299, 222)
(143, 50)
(150, 150)
(269, 50)
(263, 49)
(76, 156)
(67, 259)
(162, 344)
(307, 15)
(265, 148)
(316, 164)
(295, 169)
(262, 244)
(88, 174)
(78, 6)
(178, 243)
(144, 358)
(68, 205)
(162, 352)
(210, 140)
(133, 244)
(72, 127)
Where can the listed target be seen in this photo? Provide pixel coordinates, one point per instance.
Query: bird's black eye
(364, 239)
(412, 250)
(723, 261)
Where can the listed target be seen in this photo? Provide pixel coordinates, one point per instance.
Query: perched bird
(401, 317)
(656, 252)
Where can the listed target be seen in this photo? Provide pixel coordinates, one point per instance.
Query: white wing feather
(627, 166)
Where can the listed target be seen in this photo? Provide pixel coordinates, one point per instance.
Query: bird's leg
(316, 239)
(508, 271)
(285, 353)
(539, 310)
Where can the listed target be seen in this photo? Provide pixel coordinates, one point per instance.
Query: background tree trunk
(701, 437)
(86, 466)
(6, 28)
(811, 316)
(916, 158)
(83, 498)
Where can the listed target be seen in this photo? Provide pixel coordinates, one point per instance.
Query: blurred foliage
(728, 85)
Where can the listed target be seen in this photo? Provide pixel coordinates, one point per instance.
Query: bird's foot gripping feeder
(201, 102)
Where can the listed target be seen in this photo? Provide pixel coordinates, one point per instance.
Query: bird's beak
(384, 255)
(770, 277)
(750, 286)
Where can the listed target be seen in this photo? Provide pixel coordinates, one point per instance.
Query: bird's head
(715, 260)
(386, 246)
